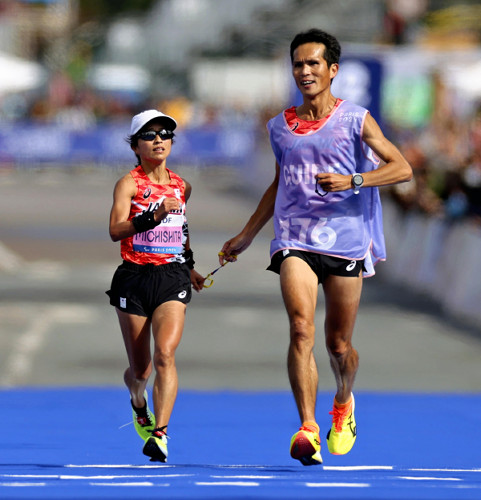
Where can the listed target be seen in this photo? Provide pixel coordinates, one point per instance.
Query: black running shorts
(139, 290)
(322, 265)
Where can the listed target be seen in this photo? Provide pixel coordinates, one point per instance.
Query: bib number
(308, 231)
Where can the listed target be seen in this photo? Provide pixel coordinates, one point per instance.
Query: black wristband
(189, 258)
(144, 222)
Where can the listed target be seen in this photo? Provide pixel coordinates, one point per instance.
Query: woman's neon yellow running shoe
(156, 446)
(342, 435)
(144, 419)
(306, 446)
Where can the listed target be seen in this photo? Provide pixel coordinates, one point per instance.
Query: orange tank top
(165, 242)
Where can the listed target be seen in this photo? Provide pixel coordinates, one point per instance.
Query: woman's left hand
(197, 280)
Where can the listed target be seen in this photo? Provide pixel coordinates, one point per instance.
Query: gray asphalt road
(56, 327)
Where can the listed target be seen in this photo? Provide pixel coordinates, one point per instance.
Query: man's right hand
(233, 247)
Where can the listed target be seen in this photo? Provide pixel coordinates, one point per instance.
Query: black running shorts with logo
(139, 290)
(322, 265)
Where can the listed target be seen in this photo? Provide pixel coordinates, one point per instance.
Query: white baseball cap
(138, 121)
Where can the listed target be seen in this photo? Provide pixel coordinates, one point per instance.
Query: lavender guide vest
(340, 224)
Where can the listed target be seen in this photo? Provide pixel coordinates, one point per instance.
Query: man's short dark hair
(332, 53)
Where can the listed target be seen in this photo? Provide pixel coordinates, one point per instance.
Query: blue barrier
(105, 144)
(432, 256)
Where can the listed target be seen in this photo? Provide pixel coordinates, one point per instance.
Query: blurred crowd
(78, 107)
(63, 102)
(446, 160)
(445, 154)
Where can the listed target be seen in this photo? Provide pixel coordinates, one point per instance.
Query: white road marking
(227, 483)
(145, 483)
(9, 261)
(417, 478)
(121, 466)
(31, 476)
(358, 467)
(107, 477)
(446, 470)
(219, 479)
(14, 485)
(240, 466)
(245, 477)
(18, 365)
(338, 485)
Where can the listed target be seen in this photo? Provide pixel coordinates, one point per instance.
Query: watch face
(357, 180)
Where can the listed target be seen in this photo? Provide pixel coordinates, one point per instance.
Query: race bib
(164, 238)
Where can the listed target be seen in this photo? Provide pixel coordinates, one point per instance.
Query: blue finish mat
(80, 444)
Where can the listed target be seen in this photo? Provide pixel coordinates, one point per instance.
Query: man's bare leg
(342, 295)
(299, 289)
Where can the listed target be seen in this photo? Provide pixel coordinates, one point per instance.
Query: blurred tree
(106, 9)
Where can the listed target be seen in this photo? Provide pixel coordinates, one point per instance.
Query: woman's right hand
(168, 205)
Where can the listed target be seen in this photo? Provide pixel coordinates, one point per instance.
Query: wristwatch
(357, 182)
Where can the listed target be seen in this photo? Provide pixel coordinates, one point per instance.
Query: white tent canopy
(466, 78)
(119, 77)
(19, 74)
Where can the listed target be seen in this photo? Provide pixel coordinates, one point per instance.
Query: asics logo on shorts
(182, 295)
(351, 266)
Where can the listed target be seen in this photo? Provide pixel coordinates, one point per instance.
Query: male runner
(328, 230)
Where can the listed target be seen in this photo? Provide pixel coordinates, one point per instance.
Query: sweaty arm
(196, 279)
(263, 212)
(187, 193)
(394, 170)
(120, 227)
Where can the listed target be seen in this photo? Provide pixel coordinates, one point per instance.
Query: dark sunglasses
(149, 135)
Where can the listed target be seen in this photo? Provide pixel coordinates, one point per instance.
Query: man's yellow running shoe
(306, 446)
(144, 420)
(342, 435)
(156, 446)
